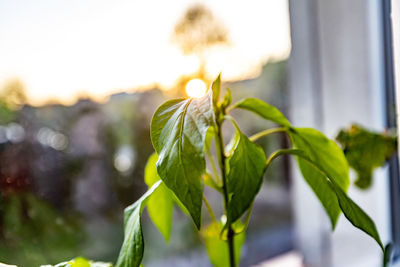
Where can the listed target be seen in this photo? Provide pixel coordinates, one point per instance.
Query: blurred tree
(197, 31)
(12, 98)
(13, 94)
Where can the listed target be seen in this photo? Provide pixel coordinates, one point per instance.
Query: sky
(64, 49)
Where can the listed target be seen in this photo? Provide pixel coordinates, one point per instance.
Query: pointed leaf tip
(216, 89)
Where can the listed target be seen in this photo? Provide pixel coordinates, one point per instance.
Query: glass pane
(79, 83)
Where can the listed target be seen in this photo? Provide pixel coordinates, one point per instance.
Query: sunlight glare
(196, 88)
(60, 61)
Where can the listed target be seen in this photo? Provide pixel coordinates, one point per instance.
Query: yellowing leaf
(160, 203)
(217, 248)
(80, 262)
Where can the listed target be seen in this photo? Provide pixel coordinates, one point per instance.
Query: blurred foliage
(13, 94)
(365, 151)
(36, 231)
(6, 114)
(12, 98)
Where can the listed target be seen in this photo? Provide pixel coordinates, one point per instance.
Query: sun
(196, 88)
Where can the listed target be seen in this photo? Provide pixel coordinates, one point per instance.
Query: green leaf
(216, 88)
(151, 177)
(217, 248)
(327, 154)
(322, 190)
(355, 214)
(80, 262)
(150, 171)
(227, 99)
(316, 180)
(365, 151)
(263, 109)
(245, 170)
(132, 249)
(350, 209)
(178, 131)
(160, 203)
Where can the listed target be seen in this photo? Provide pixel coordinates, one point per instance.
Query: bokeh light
(196, 88)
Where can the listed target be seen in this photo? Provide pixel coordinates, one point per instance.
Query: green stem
(222, 159)
(210, 210)
(266, 132)
(214, 168)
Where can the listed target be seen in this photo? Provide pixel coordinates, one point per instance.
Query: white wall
(336, 78)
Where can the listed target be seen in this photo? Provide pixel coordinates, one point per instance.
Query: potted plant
(184, 133)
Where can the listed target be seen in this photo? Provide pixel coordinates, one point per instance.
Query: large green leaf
(217, 249)
(317, 147)
(350, 209)
(327, 154)
(132, 249)
(160, 203)
(263, 109)
(178, 131)
(366, 151)
(316, 180)
(245, 170)
(321, 189)
(330, 179)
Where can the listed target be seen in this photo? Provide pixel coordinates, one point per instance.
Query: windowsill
(290, 259)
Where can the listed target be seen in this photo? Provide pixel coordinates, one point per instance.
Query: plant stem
(266, 132)
(222, 159)
(208, 206)
(214, 168)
